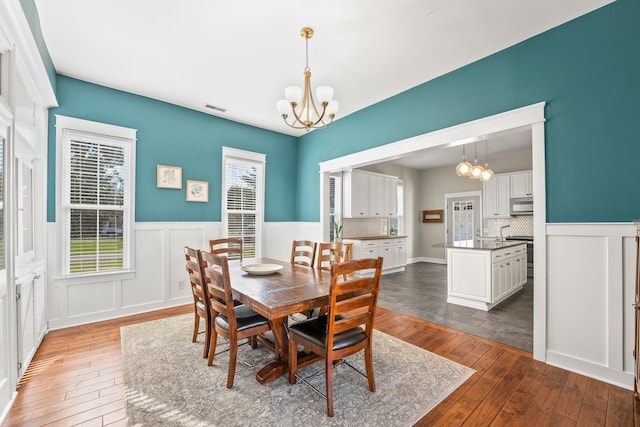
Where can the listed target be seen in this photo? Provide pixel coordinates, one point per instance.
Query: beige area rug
(167, 382)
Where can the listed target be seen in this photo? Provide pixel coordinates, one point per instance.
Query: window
(335, 204)
(97, 196)
(243, 198)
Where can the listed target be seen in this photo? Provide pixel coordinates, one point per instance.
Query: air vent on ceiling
(213, 107)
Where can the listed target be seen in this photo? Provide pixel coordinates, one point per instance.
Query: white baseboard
(592, 370)
(427, 259)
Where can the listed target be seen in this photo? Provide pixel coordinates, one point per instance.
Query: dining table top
(293, 289)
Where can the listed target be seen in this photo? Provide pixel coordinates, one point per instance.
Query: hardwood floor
(76, 378)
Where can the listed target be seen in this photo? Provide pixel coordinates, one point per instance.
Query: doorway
(463, 222)
(528, 117)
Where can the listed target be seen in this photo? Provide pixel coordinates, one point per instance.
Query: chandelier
(475, 171)
(299, 109)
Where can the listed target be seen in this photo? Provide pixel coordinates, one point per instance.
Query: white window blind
(243, 200)
(97, 202)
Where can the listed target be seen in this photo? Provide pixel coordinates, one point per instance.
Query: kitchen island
(485, 273)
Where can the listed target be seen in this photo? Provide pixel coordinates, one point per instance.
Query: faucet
(502, 228)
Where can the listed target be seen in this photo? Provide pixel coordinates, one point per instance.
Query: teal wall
(176, 136)
(31, 13)
(587, 70)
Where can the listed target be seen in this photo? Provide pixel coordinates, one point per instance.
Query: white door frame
(531, 117)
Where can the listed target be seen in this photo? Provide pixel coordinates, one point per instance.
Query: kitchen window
(96, 206)
(243, 198)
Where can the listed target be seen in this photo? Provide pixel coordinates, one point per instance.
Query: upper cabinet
(522, 184)
(369, 195)
(497, 195)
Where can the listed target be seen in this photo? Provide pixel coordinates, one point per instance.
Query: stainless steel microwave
(521, 206)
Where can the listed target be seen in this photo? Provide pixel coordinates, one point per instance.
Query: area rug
(167, 382)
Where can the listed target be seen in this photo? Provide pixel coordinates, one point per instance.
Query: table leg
(275, 369)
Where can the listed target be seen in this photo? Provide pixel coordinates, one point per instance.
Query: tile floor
(421, 291)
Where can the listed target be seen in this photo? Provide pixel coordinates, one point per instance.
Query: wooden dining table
(293, 289)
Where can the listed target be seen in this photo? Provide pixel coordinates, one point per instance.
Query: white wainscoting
(159, 279)
(590, 289)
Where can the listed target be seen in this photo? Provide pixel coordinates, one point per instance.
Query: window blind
(241, 201)
(96, 197)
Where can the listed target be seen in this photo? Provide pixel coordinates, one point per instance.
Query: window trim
(101, 130)
(246, 157)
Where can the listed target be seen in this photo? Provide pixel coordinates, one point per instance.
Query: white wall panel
(147, 286)
(577, 287)
(90, 298)
(590, 285)
(278, 236)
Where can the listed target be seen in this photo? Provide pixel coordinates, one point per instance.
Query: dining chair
(303, 252)
(200, 305)
(347, 328)
(230, 247)
(230, 321)
(330, 253)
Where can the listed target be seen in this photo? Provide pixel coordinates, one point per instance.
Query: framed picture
(433, 215)
(169, 177)
(197, 191)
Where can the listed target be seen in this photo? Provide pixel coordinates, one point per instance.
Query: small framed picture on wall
(197, 191)
(169, 177)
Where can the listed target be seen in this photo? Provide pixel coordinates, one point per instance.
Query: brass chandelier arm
(303, 112)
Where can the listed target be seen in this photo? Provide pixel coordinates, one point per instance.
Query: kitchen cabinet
(393, 250)
(482, 278)
(497, 196)
(369, 195)
(356, 195)
(522, 184)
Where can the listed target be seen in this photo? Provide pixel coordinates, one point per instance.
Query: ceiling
(239, 55)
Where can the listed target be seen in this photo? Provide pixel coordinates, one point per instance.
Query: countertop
(484, 245)
(382, 237)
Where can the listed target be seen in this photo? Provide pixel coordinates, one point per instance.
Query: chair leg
(207, 339)
(212, 347)
(293, 360)
(368, 362)
(328, 366)
(253, 341)
(233, 356)
(196, 327)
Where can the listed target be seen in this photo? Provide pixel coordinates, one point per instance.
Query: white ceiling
(239, 55)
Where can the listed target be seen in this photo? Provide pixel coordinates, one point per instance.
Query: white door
(463, 219)
(7, 343)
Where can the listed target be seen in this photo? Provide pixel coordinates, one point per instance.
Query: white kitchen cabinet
(483, 278)
(356, 195)
(393, 250)
(496, 196)
(522, 184)
(369, 195)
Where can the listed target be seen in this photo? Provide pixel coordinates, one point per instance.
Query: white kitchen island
(485, 273)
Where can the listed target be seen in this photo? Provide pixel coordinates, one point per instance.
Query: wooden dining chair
(303, 252)
(347, 328)
(200, 305)
(230, 321)
(230, 247)
(330, 253)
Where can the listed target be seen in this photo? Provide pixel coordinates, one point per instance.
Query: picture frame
(436, 215)
(169, 177)
(197, 191)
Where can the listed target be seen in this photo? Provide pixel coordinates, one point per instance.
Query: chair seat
(315, 331)
(245, 318)
(200, 306)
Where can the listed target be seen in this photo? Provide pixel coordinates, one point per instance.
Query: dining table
(277, 295)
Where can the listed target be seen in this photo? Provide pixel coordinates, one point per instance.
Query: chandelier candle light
(300, 106)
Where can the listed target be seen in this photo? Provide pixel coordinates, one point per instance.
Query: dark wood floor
(76, 378)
